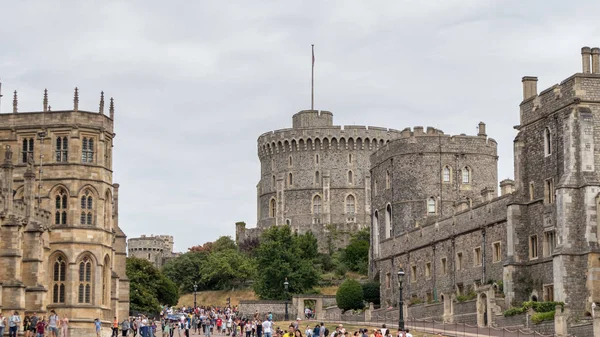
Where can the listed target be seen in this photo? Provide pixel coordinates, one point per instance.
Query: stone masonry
(154, 248)
(62, 247)
(454, 236)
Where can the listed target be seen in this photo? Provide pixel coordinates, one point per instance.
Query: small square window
(387, 281)
(497, 257)
(413, 273)
(428, 270)
(459, 261)
(444, 266)
(549, 242)
(549, 191)
(477, 256)
(549, 293)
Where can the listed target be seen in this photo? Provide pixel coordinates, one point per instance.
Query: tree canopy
(356, 255)
(282, 254)
(149, 287)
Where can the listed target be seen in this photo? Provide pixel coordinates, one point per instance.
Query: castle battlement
(573, 90)
(59, 118)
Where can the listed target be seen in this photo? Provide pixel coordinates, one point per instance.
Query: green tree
(371, 292)
(350, 295)
(223, 243)
(282, 254)
(356, 255)
(185, 269)
(149, 287)
(224, 268)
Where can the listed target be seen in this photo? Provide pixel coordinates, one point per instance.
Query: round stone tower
(426, 173)
(315, 177)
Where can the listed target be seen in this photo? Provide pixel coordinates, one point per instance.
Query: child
(40, 327)
(98, 325)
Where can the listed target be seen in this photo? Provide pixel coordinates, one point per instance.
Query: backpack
(326, 332)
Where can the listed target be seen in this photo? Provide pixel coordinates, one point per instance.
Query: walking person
(2, 324)
(125, 327)
(64, 327)
(13, 324)
(26, 326)
(115, 327)
(40, 327)
(98, 325)
(53, 323)
(33, 320)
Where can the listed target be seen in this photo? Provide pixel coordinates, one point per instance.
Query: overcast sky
(196, 82)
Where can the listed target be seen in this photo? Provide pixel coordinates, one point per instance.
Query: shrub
(350, 295)
(415, 301)
(341, 269)
(371, 292)
(538, 307)
(539, 317)
(514, 311)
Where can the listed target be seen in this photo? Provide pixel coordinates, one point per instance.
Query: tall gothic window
(272, 208)
(85, 281)
(350, 177)
(350, 204)
(387, 180)
(317, 204)
(87, 206)
(87, 150)
(59, 280)
(446, 174)
(547, 142)
(62, 149)
(105, 281)
(61, 207)
(466, 175)
(388, 221)
(431, 205)
(317, 178)
(27, 149)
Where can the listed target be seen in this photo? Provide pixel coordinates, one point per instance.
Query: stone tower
(62, 167)
(315, 177)
(154, 248)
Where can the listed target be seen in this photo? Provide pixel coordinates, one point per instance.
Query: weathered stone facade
(540, 237)
(61, 245)
(154, 248)
(315, 177)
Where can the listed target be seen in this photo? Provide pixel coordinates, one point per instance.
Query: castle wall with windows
(63, 246)
(154, 248)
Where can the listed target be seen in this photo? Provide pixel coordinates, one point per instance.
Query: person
(384, 330)
(297, 333)
(323, 331)
(13, 324)
(64, 325)
(53, 323)
(308, 331)
(26, 326)
(317, 331)
(2, 324)
(408, 334)
(125, 327)
(33, 324)
(98, 326)
(115, 327)
(267, 327)
(247, 328)
(40, 327)
(167, 329)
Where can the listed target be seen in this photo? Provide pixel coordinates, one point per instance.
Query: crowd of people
(34, 325)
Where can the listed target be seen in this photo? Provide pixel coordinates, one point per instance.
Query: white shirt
(267, 326)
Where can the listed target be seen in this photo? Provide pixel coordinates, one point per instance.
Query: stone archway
(483, 313)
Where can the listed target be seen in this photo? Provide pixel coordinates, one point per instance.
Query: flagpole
(312, 80)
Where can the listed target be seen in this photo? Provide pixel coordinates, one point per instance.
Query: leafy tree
(282, 254)
(371, 292)
(356, 255)
(223, 243)
(350, 295)
(224, 268)
(185, 269)
(206, 247)
(149, 287)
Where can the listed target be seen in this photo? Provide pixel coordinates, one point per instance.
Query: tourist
(64, 325)
(408, 334)
(2, 324)
(267, 327)
(247, 328)
(13, 324)
(125, 327)
(26, 325)
(323, 331)
(317, 330)
(33, 320)
(98, 325)
(297, 333)
(308, 332)
(115, 327)
(259, 328)
(40, 327)
(53, 324)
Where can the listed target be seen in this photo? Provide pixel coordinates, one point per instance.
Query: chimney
(585, 56)
(481, 129)
(507, 186)
(487, 194)
(529, 86)
(596, 60)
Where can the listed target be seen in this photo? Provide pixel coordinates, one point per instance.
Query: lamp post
(286, 285)
(401, 300)
(195, 288)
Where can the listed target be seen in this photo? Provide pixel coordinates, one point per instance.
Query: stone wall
(582, 329)
(427, 311)
(247, 308)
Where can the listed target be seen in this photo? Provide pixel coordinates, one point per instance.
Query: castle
(61, 245)
(315, 177)
(155, 248)
(441, 220)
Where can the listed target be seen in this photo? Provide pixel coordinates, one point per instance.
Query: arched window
(290, 179)
(273, 182)
(317, 204)
(288, 222)
(291, 163)
(61, 206)
(272, 208)
(59, 280)
(388, 221)
(547, 142)
(466, 175)
(350, 204)
(317, 159)
(85, 281)
(376, 233)
(431, 205)
(387, 180)
(87, 207)
(446, 174)
(349, 158)
(87, 150)
(62, 149)
(106, 281)
(350, 177)
(317, 178)
(27, 149)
